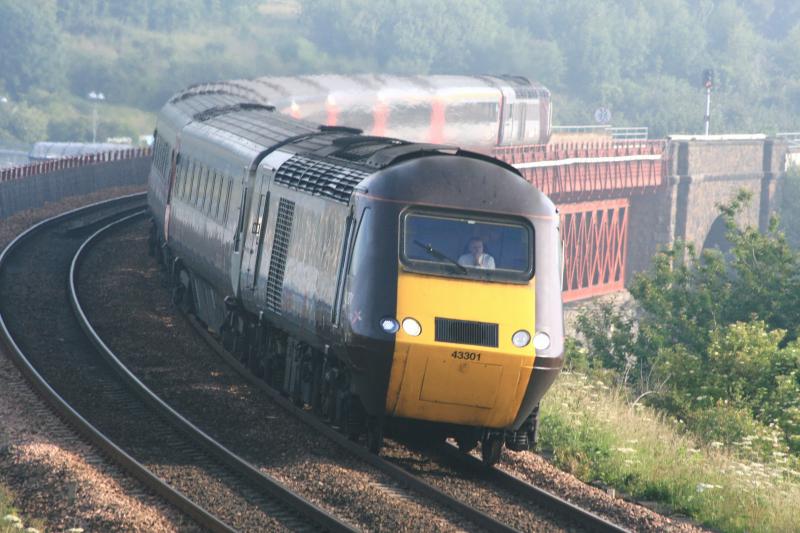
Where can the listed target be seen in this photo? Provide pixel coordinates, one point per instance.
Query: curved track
(216, 488)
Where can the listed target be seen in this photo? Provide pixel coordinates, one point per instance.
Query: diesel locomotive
(372, 279)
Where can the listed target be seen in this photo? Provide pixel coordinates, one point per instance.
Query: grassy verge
(10, 519)
(593, 433)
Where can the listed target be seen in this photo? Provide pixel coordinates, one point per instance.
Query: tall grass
(593, 432)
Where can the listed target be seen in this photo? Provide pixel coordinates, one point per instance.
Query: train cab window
(467, 246)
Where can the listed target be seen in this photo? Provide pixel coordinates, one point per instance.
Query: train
(478, 112)
(382, 283)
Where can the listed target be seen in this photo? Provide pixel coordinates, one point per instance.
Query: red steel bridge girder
(595, 236)
(577, 172)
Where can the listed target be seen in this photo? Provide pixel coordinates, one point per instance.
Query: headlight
(541, 341)
(521, 338)
(389, 325)
(412, 327)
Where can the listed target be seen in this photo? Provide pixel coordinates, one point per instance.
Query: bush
(715, 343)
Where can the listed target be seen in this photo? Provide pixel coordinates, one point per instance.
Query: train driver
(476, 258)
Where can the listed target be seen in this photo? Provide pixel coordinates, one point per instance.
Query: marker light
(389, 325)
(521, 338)
(412, 327)
(541, 341)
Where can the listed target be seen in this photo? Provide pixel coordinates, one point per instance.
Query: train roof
(282, 89)
(341, 156)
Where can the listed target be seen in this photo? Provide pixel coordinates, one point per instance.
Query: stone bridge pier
(701, 174)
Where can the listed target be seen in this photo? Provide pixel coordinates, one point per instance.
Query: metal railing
(622, 133)
(43, 167)
(792, 138)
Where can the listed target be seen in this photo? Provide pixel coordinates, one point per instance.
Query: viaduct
(619, 201)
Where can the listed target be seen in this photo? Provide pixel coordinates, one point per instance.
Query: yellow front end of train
(454, 358)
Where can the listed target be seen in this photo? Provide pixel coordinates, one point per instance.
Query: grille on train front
(466, 332)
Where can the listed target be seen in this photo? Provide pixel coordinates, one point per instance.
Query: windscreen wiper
(439, 255)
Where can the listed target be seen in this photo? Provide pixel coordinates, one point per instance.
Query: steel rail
(542, 497)
(66, 413)
(279, 491)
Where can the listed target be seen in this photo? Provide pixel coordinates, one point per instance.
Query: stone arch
(715, 238)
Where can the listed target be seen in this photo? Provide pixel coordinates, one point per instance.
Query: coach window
(218, 182)
(187, 182)
(227, 201)
(218, 196)
(183, 175)
(472, 112)
(212, 187)
(408, 115)
(532, 120)
(198, 178)
(165, 160)
(203, 199)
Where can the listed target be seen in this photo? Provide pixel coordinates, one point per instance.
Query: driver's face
(476, 247)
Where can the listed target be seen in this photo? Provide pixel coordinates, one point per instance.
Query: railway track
(55, 350)
(553, 509)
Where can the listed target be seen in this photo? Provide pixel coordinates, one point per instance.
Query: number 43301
(471, 356)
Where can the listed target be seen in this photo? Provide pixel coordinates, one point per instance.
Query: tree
(30, 44)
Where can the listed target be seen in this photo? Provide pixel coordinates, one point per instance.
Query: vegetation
(10, 521)
(594, 431)
(643, 60)
(693, 394)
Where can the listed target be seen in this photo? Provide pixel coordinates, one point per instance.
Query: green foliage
(642, 60)
(589, 429)
(30, 44)
(715, 342)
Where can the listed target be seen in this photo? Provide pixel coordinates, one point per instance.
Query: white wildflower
(31, 530)
(11, 519)
(702, 487)
(626, 450)
(716, 444)
(75, 530)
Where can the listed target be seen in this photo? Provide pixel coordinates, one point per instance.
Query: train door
(255, 228)
(506, 119)
(239, 234)
(174, 155)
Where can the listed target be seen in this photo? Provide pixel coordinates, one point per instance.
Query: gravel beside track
(123, 286)
(54, 475)
(33, 279)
